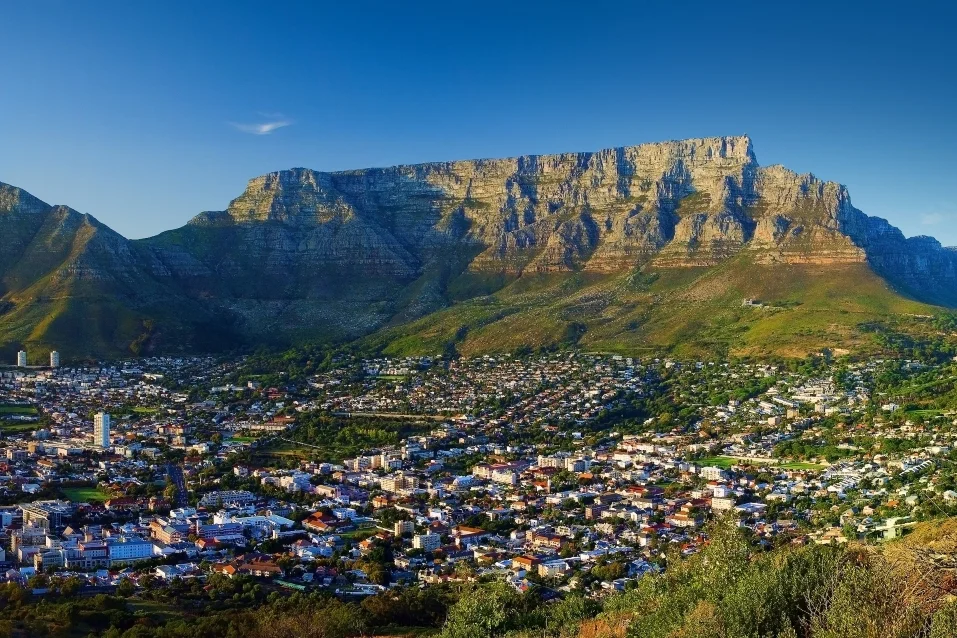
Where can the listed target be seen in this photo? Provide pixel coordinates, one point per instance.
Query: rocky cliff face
(673, 204)
(307, 254)
(917, 266)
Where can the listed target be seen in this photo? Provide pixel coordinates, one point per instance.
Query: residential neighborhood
(566, 472)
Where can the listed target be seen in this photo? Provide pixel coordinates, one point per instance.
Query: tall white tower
(54, 359)
(22, 358)
(101, 430)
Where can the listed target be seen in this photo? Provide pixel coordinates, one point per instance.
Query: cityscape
(554, 471)
(459, 320)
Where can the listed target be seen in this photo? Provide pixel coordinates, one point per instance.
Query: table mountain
(470, 251)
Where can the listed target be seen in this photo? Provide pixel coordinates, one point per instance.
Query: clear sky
(145, 113)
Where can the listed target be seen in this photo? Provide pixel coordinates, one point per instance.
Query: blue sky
(144, 114)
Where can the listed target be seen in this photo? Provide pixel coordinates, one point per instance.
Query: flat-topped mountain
(591, 247)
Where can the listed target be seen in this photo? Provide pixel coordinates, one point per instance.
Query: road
(175, 473)
(397, 416)
(299, 443)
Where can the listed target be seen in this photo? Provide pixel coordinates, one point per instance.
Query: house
(169, 572)
(465, 536)
(260, 565)
(321, 522)
(527, 563)
(548, 540)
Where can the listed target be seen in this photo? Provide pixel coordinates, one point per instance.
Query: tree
(728, 551)
(12, 594)
(483, 612)
(308, 618)
(71, 586)
(571, 612)
(125, 588)
(609, 571)
(38, 581)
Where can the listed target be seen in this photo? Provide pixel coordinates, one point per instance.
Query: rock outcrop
(306, 254)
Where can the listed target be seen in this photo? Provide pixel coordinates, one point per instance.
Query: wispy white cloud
(274, 122)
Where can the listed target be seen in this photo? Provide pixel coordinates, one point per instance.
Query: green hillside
(684, 311)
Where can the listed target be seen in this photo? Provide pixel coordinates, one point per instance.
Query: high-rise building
(22, 358)
(101, 430)
(54, 359)
(427, 542)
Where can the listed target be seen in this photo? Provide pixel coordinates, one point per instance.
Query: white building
(101, 430)
(504, 476)
(227, 497)
(398, 482)
(22, 358)
(128, 549)
(552, 568)
(54, 359)
(427, 542)
(712, 473)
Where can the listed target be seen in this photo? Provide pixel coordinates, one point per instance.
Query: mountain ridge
(306, 255)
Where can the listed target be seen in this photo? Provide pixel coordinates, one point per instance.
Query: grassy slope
(50, 310)
(685, 311)
(88, 318)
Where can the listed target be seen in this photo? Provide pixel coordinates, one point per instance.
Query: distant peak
(17, 200)
(210, 218)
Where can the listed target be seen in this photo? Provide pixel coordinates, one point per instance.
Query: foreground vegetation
(732, 589)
